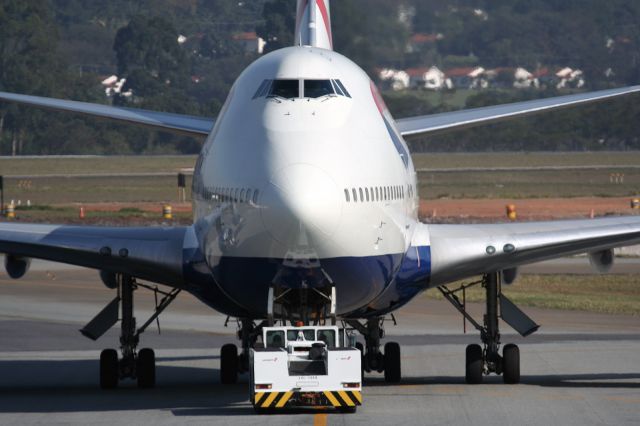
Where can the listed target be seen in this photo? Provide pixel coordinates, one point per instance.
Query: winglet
(313, 24)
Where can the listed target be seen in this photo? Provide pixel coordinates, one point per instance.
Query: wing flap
(457, 120)
(154, 254)
(184, 124)
(462, 251)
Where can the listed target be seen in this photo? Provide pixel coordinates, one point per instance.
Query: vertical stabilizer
(313, 24)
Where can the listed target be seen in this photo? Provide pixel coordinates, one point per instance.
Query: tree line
(62, 48)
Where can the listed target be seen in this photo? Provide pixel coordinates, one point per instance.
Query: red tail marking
(325, 17)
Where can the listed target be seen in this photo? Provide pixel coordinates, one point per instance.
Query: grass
(89, 165)
(610, 294)
(463, 184)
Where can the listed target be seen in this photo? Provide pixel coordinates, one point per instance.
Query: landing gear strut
(486, 359)
(133, 364)
(388, 362)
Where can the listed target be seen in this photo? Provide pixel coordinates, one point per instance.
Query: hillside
(183, 56)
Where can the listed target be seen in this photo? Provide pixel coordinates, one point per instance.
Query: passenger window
(366, 191)
(317, 88)
(255, 196)
(287, 89)
(248, 199)
(361, 195)
(355, 195)
(377, 194)
(346, 195)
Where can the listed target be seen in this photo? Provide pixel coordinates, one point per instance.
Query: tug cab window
(318, 88)
(288, 89)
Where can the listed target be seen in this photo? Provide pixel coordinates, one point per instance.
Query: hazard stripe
(356, 396)
(270, 399)
(346, 398)
(332, 399)
(258, 396)
(285, 398)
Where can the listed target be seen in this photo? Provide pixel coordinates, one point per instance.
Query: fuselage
(305, 172)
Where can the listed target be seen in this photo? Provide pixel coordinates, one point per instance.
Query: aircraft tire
(474, 364)
(229, 364)
(146, 368)
(392, 363)
(109, 372)
(360, 347)
(511, 364)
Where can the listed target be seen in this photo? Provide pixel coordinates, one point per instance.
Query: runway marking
(320, 419)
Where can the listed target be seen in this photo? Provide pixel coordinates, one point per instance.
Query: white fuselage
(305, 179)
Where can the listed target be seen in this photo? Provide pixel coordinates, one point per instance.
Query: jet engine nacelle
(16, 266)
(602, 260)
(109, 279)
(509, 276)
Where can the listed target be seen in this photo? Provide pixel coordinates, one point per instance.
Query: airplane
(305, 204)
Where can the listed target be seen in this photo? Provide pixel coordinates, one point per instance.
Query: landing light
(491, 250)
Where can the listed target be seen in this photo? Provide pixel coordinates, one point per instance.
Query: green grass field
(432, 185)
(611, 294)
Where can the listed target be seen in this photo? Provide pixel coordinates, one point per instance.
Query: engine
(602, 260)
(16, 266)
(109, 279)
(509, 276)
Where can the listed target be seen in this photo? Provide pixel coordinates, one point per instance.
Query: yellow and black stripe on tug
(344, 398)
(271, 399)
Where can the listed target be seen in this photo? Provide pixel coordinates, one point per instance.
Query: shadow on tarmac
(600, 380)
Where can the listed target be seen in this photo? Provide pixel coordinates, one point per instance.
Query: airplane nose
(301, 199)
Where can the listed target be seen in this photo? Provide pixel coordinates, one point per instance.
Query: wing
(440, 123)
(462, 251)
(155, 254)
(185, 124)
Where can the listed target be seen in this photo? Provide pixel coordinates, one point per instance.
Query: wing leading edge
(462, 251)
(450, 121)
(154, 254)
(184, 124)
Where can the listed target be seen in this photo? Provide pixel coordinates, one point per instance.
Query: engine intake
(16, 266)
(602, 260)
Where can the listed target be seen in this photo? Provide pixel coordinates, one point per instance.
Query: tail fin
(313, 24)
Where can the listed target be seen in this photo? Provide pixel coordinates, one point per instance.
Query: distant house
(523, 79)
(113, 86)
(417, 42)
(468, 78)
(570, 78)
(429, 78)
(394, 79)
(250, 42)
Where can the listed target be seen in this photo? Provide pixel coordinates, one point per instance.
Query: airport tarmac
(579, 369)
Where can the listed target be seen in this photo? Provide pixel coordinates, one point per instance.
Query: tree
(279, 24)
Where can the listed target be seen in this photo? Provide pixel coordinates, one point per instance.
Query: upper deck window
(288, 89)
(318, 88)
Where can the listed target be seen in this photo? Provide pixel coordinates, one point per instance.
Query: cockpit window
(318, 88)
(287, 89)
(342, 88)
(291, 89)
(263, 89)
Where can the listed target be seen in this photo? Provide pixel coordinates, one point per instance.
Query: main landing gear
(486, 359)
(233, 364)
(133, 364)
(388, 362)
